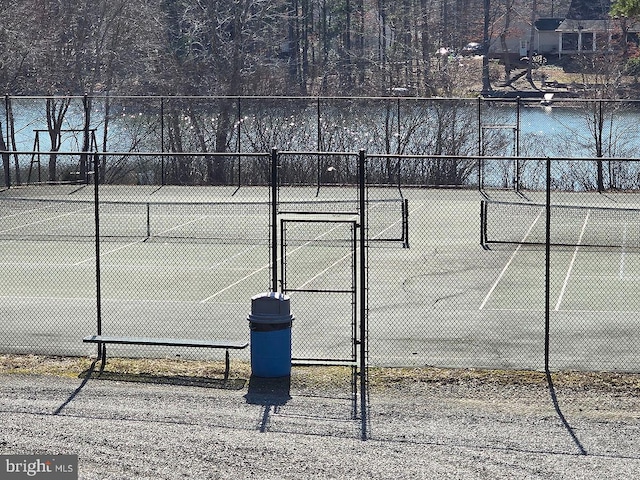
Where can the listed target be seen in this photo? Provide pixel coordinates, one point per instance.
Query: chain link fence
(460, 202)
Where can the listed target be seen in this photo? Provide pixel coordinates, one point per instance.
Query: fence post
(547, 287)
(6, 159)
(239, 128)
(84, 157)
(398, 141)
(162, 173)
(318, 145)
(363, 291)
(96, 203)
(479, 118)
(319, 125)
(516, 180)
(238, 142)
(274, 220)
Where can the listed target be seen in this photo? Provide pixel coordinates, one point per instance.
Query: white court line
(326, 270)
(21, 213)
(255, 272)
(121, 247)
(131, 244)
(412, 211)
(573, 261)
(44, 220)
(420, 206)
(202, 217)
(513, 255)
(220, 292)
(234, 256)
(351, 253)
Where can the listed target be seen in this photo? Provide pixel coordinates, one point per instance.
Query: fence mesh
(456, 205)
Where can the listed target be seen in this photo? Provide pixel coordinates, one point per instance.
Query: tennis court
(457, 304)
(188, 272)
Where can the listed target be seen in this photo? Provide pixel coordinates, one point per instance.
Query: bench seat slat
(170, 342)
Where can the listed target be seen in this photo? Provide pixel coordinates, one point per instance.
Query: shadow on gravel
(271, 393)
(567, 426)
(86, 375)
(181, 380)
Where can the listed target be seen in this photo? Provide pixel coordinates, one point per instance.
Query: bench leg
(226, 365)
(102, 352)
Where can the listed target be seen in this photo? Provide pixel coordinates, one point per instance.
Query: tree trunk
(426, 54)
(55, 117)
(486, 80)
(6, 159)
(530, 52)
(503, 41)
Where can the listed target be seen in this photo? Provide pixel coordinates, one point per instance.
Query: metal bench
(102, 340)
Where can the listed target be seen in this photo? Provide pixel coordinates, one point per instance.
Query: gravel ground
(449, 425)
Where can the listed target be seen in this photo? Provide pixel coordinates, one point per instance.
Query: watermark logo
(46, 467)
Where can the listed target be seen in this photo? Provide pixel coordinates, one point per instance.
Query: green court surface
(445, 301)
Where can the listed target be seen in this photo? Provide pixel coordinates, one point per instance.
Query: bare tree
(534, 15)
(56, 109)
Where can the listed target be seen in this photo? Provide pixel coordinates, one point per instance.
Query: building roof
(586, 15)
(589, 16)
(548, 24)
(589, 10)
(573, 25)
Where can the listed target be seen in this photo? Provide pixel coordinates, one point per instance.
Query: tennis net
(65, 219)
(244, 222)
(387, 219)
(570, 225)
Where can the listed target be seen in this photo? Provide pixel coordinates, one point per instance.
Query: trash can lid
(270, 303)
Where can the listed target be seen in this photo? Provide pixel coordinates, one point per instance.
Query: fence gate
(319, 259)
(319, 272)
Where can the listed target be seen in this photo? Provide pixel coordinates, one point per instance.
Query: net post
(405, 223)
(483, 223)
(148, 220)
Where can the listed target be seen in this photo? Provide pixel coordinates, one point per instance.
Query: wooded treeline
(243, 47)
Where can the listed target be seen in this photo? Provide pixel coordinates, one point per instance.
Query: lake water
(380, 126)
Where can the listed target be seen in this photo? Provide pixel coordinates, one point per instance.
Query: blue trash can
(270, 324)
